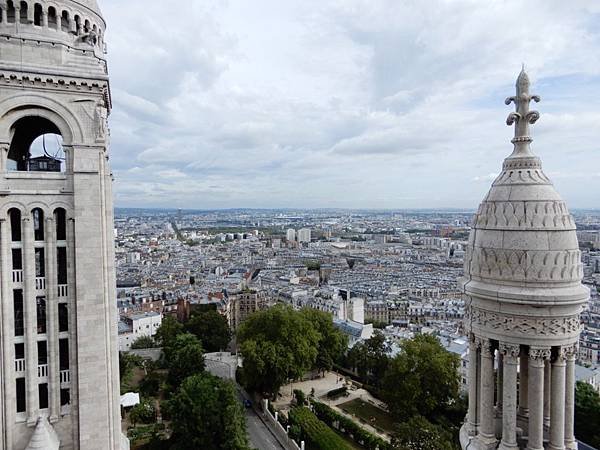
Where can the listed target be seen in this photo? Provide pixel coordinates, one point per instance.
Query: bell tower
(59, 375)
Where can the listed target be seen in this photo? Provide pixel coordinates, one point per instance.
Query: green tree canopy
(206, 414)
(185, 359)
(168, 331)
(332, 342)
(419, 434)
(143, 342)
(587, 414)
(370, 358)
(211, 328)
(422, 379)
(277, 345)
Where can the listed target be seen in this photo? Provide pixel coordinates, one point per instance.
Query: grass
(349, 441)
(370, 414)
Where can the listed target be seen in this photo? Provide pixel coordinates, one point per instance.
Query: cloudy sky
(345, 103)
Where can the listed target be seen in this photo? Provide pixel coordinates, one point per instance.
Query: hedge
(316, 432)
(349, 428)
(338, 392)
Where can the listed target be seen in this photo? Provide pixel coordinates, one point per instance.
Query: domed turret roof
(523, 244)
(90, 4)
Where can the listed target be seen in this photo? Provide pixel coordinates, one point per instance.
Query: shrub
(300, 397)
(316, 432)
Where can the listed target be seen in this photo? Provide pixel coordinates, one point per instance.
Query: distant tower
(59, 380)
(523, 294)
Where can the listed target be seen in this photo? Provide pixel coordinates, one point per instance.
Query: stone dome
(523, 255)
(89, 4)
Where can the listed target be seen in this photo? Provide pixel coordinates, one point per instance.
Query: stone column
(7, 391)
(487, 435)
(547, 391)
(44, 18)
(30, 320)
(58, 20)
(523, 384)
(3, 155)
(509, 396)
(500, 383)
(557, 403)
(473, 384)
(4, 15)
(52, 313)
(537, 358)
(570, 442)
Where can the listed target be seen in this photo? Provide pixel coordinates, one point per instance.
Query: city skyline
(334, 105)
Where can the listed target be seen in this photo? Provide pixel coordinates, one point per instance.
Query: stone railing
(280, 433)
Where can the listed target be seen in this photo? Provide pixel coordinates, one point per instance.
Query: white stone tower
(59, 379)
(523, 295)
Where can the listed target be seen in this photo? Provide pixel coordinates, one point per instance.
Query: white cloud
(344, 102)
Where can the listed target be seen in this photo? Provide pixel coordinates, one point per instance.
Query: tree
(422, 379)
(143, 342)
(332, 342)
(587, 414)
(419, 434)
(186, 358)
(143, 412)
(167, 333)
(212, 329)
(207, 414)
(370, 358)
(277, 345)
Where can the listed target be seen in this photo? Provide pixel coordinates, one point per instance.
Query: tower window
(19, 351)
(63, 354)
(17, 259)
(38, 224)
(63, 317)
(37, 15)
(18, 308)
(61, 264)
(65, 23)
(15, 224)
(43, 394)
(24, 12)
(41, 315)
(42, 353)
(60, 216)
(40, 269)
(65, 397)
(21, 400)
(52, 19)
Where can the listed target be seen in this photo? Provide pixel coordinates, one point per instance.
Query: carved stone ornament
(539, 354)
(510, 350)
(522, 325)
(571, 350)
(537, 215)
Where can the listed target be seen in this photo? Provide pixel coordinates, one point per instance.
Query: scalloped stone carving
(545, 215)
(525, 265)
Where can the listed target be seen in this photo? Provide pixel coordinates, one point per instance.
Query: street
(260, 437)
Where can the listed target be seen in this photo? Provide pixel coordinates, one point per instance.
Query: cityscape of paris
(299, 225)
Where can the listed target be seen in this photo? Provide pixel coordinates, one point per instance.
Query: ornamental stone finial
(522, 116)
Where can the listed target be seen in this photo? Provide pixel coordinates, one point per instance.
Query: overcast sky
(345, 103)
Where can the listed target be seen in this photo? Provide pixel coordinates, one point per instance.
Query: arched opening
(36, 146)
(15, 224)
(10, 12)
(37, 14)
(24, 11)
(60, 218)
(77, 25)
(86, 26)
(52, 18)
(65, 23)
(38, 224)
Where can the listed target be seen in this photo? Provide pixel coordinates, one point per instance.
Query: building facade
(523, 298)
(59, 382)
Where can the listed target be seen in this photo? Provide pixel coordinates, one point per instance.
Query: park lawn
(370, 414)
(349, 441)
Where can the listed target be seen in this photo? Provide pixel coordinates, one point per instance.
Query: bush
(143, 342)
(300, 397)
(144, 412)
(316, 432)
